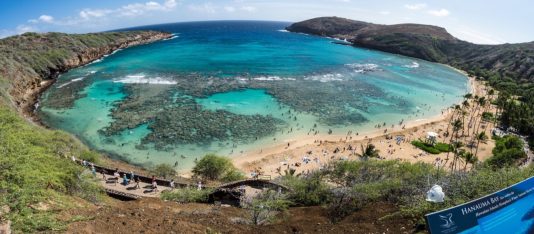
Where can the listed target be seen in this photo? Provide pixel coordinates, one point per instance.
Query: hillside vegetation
(429, 43)
(509, 68)
(37, 178)
(28, 59)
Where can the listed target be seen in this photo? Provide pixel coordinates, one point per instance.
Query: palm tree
(480, 137)
(456, 126)
(458, 152)
(369, 151)
(469, 158)
(481, 102)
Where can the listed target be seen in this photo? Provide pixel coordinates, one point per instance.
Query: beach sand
(270, 160)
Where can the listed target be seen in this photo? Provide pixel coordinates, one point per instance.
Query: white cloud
(25, 28)
(474, 36)
(87, 14)
(169, 4)
(229, 8)
(385, 12)
(439, 13)
(415, 7)
(248, 8)
(203, 8)
(46, 18)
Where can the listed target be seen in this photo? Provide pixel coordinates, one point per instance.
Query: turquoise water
(304, 84)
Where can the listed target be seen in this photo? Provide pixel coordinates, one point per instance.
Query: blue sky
(488, 22)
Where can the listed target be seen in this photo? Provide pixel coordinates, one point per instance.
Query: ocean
(231, 87)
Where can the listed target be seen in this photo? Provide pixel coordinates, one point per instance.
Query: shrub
(508, 151)
(405, 184)
(186, 195)
(90, 156)
(433, 149)
(266, 206)
(233, 175)
(487, 116)
(213, 167)
(307, 191)
(163, 170)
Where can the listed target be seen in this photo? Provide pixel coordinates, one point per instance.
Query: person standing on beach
(172, 184)
(137, 182)
(155, 186)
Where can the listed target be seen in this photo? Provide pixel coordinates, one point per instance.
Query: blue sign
(510, 210)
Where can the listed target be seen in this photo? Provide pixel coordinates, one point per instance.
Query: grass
(432, 149)
(36, 177)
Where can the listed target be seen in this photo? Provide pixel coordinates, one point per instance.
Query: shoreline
(269, 159)
(33, 94)
(244, 161)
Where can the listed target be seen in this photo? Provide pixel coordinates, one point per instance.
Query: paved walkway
(144, 190)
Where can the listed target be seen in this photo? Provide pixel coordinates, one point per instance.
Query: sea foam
(70, 82)
(142, 79)
(174, 36)
(363, 68)
(413, 65)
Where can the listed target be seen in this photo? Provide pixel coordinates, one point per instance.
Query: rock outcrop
(30, 62)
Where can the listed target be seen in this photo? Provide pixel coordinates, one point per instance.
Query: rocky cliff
(30, 62)
(429, 43)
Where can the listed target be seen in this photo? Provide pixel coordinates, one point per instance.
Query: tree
(265, 206)
(469, 158)
(480, 137)
(369, 151)
(508, 151)
(213, 167)
(456, 126)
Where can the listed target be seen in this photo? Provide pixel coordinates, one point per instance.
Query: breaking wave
(174, 36)
(413, 65)
(326, 77)
(142, 79)
(363, 68)
(70, 82)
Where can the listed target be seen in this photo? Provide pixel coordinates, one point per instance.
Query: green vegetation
(369, 151)
(186, 195)
(355, 184)
(307, 191)
(37, 177)
(433, 149)
(213, 167)
(487, 116)
(163, 170)
(507, 67)
(32, 57)
(266, 207)
(507, 152)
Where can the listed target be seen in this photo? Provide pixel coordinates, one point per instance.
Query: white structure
(431, 137)
(435, 194)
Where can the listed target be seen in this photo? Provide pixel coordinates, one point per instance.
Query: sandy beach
(313, 152)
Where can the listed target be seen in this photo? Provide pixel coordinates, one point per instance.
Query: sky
(478, 21)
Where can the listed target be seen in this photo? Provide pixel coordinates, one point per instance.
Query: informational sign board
(510, 210)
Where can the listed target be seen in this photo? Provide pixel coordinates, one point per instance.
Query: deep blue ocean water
(388, 88)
